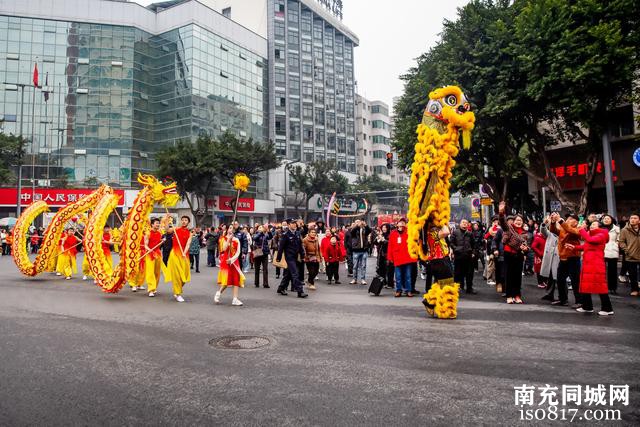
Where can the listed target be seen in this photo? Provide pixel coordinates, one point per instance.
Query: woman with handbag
(261, 255)
(312, 256)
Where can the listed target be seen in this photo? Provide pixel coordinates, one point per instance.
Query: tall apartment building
(373, 141)
(311, 81)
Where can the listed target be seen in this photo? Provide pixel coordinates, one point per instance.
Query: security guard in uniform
(291, 246)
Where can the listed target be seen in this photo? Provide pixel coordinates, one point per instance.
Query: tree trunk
(549, 179)
(592, 161)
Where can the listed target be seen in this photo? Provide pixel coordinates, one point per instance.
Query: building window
(306, 45)
(279, 54)
(279, 29)
(307, 135)
(294, 110)
(319, 116)
(279, 77)
(294, 63)
(306, 67)
(226, 12)
(294, 86)
(293, 40)
(281, 126)
(294, 131)
(280, 10)
(307, 112)
(307, 89)
(319, 137)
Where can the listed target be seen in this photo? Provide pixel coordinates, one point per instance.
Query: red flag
(35, 75)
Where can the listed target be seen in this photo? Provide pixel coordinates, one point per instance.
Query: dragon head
(165, 194)
(449, 106)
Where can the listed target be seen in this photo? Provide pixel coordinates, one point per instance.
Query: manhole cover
(240, 342)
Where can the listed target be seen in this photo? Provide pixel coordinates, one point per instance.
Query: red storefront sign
(225, 203)
(572, 176)
(56, 197)
(388, 218)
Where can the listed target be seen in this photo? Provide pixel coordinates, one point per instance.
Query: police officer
(291, 247)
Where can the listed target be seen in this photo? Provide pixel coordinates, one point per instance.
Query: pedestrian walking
(291, 248)
(261, 255)
(312, 256)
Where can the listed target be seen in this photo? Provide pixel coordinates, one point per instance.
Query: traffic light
(389, 160)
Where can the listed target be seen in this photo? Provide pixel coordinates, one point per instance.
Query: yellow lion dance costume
(446, 116)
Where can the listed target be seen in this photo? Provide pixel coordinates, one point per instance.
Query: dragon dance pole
(241, 184)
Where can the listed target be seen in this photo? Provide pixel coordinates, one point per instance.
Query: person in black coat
(291, 248)
(463, 248)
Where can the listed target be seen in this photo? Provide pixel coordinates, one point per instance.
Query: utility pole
(608, 175)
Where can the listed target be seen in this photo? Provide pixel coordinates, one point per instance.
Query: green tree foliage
(377, 190)
(11, 153)
(319, 177)
(203, 167)
(247, 156)
(536, 72)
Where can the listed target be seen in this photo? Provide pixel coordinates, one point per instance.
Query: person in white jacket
(611, 252)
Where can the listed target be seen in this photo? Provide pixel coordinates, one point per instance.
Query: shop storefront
(570, 167)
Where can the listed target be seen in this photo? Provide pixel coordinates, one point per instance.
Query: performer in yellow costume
(68, 251)
(178, 263)
(446, 119)
(153, 258)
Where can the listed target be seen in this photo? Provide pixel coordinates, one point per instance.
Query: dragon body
(110, 279)
(46, 257)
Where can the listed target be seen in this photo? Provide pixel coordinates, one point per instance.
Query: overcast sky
(392, 34)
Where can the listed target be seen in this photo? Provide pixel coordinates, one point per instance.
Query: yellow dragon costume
(129, 267)
(101, 203)
(446, 116)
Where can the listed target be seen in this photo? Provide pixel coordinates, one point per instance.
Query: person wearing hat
(291, 248)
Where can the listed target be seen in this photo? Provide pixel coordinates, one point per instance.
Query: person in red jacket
(398, 256)
(538, 252)
(333, 254)
(593, 278)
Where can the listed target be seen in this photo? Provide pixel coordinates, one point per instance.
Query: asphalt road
(72, 355)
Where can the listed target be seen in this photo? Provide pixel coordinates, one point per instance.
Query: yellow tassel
(466, 139)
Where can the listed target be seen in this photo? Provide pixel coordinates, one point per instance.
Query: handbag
(257, 252)
(282, 263)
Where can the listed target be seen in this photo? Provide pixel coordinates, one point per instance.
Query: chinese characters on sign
(579, 169)
(225, 203)
(571, 402)
(53, 197)
(573, 176)
(599, 395)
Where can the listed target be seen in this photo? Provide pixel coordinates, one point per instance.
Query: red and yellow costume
(67, 258)
(230, 273)
(178, 263)
(153, 260)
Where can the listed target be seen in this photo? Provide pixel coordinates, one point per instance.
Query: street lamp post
(21, 86)
(286, 167)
